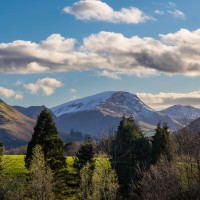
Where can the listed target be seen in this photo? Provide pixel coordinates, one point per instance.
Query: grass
(15, 164)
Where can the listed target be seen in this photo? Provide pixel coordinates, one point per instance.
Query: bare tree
(162, 181)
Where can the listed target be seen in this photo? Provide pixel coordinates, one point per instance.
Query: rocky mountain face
(183, 114)
(102, 112)
(15, 128)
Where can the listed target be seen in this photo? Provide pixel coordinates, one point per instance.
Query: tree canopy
(46, 135)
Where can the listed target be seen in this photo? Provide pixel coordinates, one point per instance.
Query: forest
(123, 165)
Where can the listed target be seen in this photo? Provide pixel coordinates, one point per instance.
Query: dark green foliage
(162, 144)
(84, 155)
(1, 154)
(130, 154)
(46, 135)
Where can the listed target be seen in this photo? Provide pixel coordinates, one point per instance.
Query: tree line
(126, 165)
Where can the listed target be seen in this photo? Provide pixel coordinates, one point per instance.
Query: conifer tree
(84, 155)
(162, 144)
(46, 135)
(130, 154)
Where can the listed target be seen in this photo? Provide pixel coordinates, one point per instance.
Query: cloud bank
(97, 10)
(173, 53)
(163, 100)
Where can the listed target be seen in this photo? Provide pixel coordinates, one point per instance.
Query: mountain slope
(184, 114)
(194, 126)
(15, 128)
(33, 111)
(97, 113)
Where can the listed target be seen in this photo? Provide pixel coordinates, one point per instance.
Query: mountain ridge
(184, 114)
(113, 104)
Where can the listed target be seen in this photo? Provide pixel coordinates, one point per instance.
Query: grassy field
(15, 163)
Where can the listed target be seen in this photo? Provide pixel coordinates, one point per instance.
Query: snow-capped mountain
(184, 114)
(84, 104)
(96, 113)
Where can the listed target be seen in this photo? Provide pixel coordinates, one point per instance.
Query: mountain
(15, 128)
(33, 111)
(194, 126)
(102, 112)
(184, 114)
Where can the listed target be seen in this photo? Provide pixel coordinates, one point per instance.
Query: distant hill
(32, 111)
(102, 112)
(15, 128)
(194, 126)
(184, 114)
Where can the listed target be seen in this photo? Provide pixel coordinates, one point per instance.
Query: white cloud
(46, 86)
(34, 67)
(109, 74)
(72, 91)
(9, 93)
(100, 11)
(177, 14)
(159, 12)
(111, 54)
(163, 100)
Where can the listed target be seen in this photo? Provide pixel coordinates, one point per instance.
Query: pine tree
(84, 155)
(46, 135)
(130, 154)
(162, 144)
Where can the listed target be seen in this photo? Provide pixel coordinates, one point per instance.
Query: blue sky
(55, 51)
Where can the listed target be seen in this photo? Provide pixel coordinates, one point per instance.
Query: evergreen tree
(1, 154)
(162, 144)
(46, 135)
(84, 155)
(130, 154)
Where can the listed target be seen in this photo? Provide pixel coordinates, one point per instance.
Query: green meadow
(15, 164)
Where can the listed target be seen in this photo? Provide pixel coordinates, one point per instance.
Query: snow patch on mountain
(84, 104)
(116, 104)
(182, 112)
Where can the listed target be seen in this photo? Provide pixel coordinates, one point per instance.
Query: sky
(55, 51)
